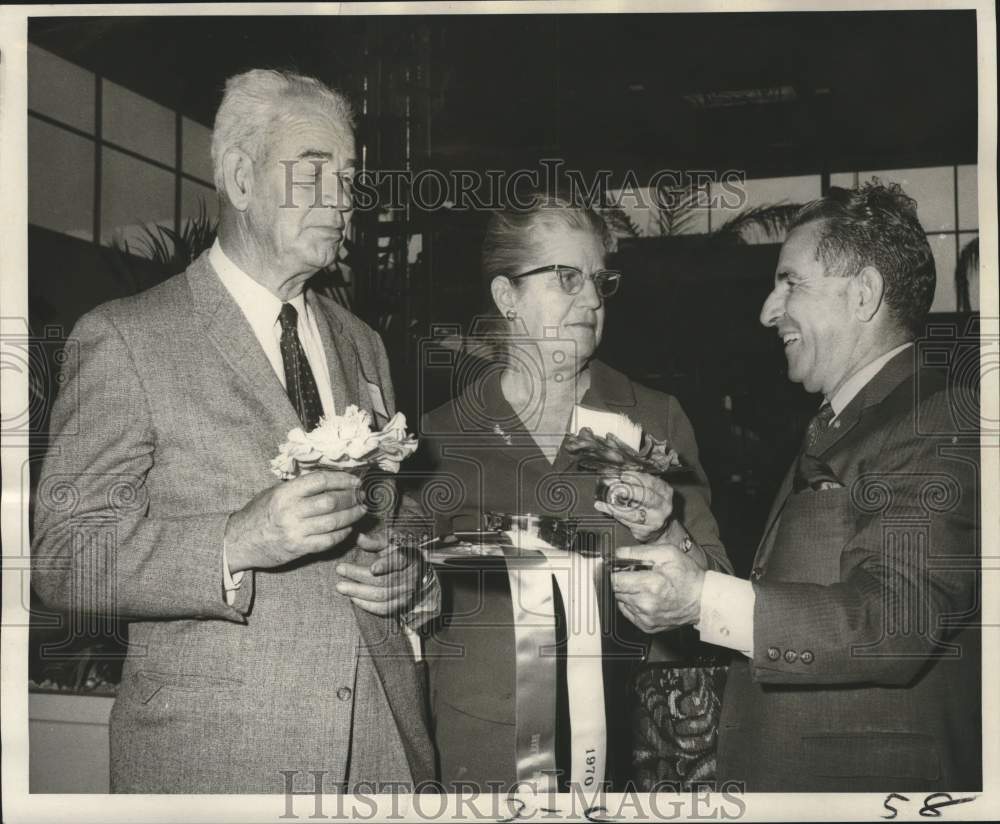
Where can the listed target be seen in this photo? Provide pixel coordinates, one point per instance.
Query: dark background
(874, 89)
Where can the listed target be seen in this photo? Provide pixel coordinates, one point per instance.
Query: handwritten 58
(933, 804)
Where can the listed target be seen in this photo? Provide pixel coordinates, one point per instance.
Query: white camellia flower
(345, 442)
(344, 436)
(394, 430)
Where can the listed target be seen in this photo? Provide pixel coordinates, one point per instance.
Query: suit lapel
(898, 369)
(230, 332)
(779, 504)
(824, 443)
(341, 356)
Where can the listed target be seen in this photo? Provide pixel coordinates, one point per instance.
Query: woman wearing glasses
(500, 442)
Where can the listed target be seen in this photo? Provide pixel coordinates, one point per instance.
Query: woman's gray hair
(509, 244)
(254, 100)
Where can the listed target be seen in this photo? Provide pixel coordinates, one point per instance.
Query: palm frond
(173, 251)
(771, 220)
(620, 223)
(673, 210)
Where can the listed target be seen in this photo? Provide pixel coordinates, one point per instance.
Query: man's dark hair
(876, 225)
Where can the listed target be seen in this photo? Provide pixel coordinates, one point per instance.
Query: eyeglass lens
(572, 281)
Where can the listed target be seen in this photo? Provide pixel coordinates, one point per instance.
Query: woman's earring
(511, 314)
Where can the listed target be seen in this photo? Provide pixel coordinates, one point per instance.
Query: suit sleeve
(907, 573)
(696, 495)
(99, 545)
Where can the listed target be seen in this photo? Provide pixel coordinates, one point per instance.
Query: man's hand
(387, 584)
(665, 597)
(641, 502)
(308, 514)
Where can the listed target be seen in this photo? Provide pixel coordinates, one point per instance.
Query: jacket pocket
(900, 755)
(149, 683)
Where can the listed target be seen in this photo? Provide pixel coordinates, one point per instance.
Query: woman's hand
(641, 502)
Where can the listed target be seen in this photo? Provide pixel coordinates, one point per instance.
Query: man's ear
(237, 176)
(503, 294)
(869, 292)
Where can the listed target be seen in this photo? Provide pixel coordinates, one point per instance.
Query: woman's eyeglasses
(572, 279)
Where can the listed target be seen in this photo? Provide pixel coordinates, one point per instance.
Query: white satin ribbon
(577, 577)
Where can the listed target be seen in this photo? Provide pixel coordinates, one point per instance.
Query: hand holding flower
(309, 514)
(641, 502)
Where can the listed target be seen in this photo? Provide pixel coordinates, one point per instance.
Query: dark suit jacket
(478, 447)
(865, 675)
(166, 426)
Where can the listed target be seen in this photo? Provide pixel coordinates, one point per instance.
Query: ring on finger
(641, 515)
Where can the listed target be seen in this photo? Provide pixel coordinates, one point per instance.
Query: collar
(854, 384)
(608, 387)
(259, 304)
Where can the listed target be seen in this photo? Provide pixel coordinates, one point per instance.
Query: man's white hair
(252, 103)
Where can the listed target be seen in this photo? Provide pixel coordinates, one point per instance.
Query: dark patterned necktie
(818, 425)
(299, 381)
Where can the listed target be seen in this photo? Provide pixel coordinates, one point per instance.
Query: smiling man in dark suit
(861, 658)
(265, 649)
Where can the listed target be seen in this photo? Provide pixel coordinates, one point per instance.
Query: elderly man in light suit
(265, 647)
(860, 665)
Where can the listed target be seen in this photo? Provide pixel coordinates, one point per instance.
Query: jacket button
(756, 574)
(791, 656)
(344, 693)
(773, 653)
(806, 657)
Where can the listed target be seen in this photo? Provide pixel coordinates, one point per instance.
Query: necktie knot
(288, 317)
(819, 424)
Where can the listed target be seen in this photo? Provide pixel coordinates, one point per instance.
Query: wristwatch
(687, 544)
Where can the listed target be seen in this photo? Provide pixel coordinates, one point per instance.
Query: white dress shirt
(260, 307)
(727, 603)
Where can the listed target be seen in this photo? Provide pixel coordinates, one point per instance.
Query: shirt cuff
(416, 642)
(726, 618)
(230, 582)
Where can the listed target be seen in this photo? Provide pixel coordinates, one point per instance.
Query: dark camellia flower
(677, 724)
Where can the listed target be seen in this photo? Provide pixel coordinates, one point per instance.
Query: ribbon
(532, 565)
(535, 672)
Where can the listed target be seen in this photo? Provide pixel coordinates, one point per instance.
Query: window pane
(137, 123)
(133, 194)
(933, 189)
(845, 180)
(968, 198)
(773, 191)
(945, 259)
(197, 150)
(60, 89)
(60, 180)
